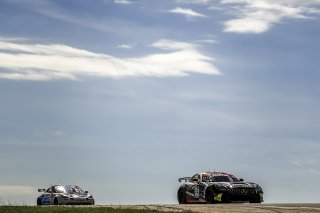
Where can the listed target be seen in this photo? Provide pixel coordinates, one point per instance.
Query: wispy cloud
(53, 10)
(258, 16)
(125, 46)
(186, 12)
(16, 190)
(122, 2)
(207, 41)
(21, 61)
(13, 39)
(172, 45)
(193, 1)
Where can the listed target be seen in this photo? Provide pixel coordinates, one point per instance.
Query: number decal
(196, 191)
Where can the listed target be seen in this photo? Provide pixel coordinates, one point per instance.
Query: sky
(123, 97)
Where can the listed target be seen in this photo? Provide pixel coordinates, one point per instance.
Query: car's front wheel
(209, 195)
(39, 202)
(181, 196)
(255, 199)
(55, 201)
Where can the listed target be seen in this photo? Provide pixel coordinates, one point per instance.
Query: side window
(205, 178)
(195, 178)
(49, 190)
(54, 189)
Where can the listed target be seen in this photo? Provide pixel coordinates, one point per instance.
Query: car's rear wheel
(39, 202)
(209, 195)
(182, 197)
(55, 201)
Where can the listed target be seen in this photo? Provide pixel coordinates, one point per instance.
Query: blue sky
(124, 97)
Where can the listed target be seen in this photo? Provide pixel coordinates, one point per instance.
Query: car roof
(218, 174)
(67, 185)
(64, 185)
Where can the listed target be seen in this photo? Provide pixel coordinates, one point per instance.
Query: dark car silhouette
(218, 187)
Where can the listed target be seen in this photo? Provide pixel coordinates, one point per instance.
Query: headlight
(258, 188)
(223, 187)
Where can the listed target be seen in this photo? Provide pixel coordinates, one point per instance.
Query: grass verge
(68, 209)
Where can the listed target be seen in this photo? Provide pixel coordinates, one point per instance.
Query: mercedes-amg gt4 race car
(218, 187)
(64, 195)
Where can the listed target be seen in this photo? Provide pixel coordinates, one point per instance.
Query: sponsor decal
(261, 197)
(244, 191)
(196, 191)
(218, 197)
(189, 193)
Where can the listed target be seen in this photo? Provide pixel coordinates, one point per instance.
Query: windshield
(73, 189)
(222, 178)
(60, 189)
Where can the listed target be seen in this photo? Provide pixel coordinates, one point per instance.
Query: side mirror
(86, 192)
(241, 180)
(41, 190)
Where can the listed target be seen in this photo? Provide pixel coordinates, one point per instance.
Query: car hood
(76, 195)
(235, 184)
(79, 195)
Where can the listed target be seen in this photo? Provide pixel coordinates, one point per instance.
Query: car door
(51, 194)
(203, 184)
(46, 197)
(196, 190)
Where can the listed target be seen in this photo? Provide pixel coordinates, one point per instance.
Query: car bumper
(225, 197)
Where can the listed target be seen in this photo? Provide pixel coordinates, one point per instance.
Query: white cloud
(16, 190)
(186, 12)
(258, 16)
(207, 41)
(122, 2)
(215, 8)
(125, 46)
(17, 195)
(20, 61)
(172, 45)
(193, 1)
(247, 25)
(13, 39)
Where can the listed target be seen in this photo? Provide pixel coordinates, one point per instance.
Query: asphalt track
(240, 208)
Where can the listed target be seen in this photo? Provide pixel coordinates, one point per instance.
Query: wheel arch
(56, 201)
(210, 194)
(181, 195)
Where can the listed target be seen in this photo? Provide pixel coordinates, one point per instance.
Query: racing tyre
(182, 197)
(209, 195)
(255, 200)
(55, 201)
(39, 202)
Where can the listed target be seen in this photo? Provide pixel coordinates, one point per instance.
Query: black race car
(218, 187)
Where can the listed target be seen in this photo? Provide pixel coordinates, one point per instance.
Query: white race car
(64, 195)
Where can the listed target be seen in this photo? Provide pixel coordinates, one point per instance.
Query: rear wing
(41, 190)
(185, 179)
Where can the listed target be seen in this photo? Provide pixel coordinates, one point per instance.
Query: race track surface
(240, 208)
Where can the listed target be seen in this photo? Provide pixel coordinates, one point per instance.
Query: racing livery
(218, 187)
(64, 195)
